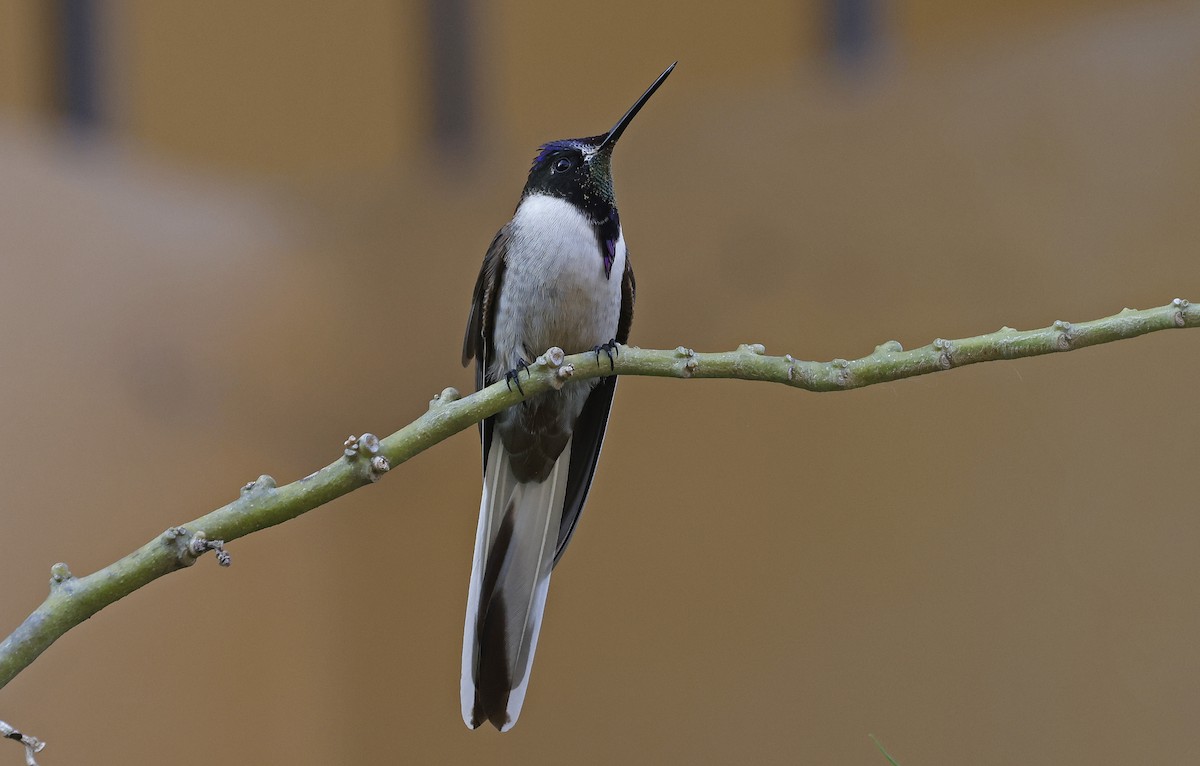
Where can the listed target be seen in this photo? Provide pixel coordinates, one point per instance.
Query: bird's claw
(610, 349)
(514, 376)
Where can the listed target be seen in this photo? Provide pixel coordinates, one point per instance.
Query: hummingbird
(557, 274)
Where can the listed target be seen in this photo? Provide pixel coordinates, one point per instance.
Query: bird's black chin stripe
(493, 677)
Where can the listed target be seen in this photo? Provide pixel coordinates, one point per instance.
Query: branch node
(562, 375)
(178, 538)
(791, 360)
(365, 445)
(1180, 304)
(263, 483)
(189, 547)
(841, 371)
(379, 466)
(448, 394)
(59, 577)
(200, 543)
(1064, 329)
(60, 573)
(553, 358)
(32, 744)
(889, 347)
(757, 349)
(690, 364)
(945, 358)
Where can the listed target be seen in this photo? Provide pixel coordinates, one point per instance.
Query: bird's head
(580, 169)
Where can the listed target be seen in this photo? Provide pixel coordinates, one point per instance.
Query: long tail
(514, 553)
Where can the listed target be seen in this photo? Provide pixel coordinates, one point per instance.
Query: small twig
(367, 458)
(32, 744)
(886, 754)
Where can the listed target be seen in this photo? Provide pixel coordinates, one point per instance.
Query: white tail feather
(524, 575)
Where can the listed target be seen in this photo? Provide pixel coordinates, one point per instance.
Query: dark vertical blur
(452, 81)
(852, 29)
(75, 55)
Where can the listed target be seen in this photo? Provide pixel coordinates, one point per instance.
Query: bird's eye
(562, 165)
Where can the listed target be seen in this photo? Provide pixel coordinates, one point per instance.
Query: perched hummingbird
(556, 275)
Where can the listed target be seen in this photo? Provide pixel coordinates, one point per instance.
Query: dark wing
(589, 428)
(478, 339)
(477, 343)
(628, 293)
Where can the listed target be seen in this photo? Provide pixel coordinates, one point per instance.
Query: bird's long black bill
(611, 139)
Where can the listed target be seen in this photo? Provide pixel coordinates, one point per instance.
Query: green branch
(365, 459)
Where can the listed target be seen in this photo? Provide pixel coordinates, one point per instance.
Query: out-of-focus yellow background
(233, 233)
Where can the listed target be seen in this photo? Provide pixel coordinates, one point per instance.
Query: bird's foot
(514, 376)
(610, 349)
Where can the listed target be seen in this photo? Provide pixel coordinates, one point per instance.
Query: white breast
(555, 292)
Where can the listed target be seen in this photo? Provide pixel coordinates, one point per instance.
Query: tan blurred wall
(24, 60)
(307, 89)
(932, 29)
(276, 87)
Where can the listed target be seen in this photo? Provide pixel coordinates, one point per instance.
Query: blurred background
(233, 233)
